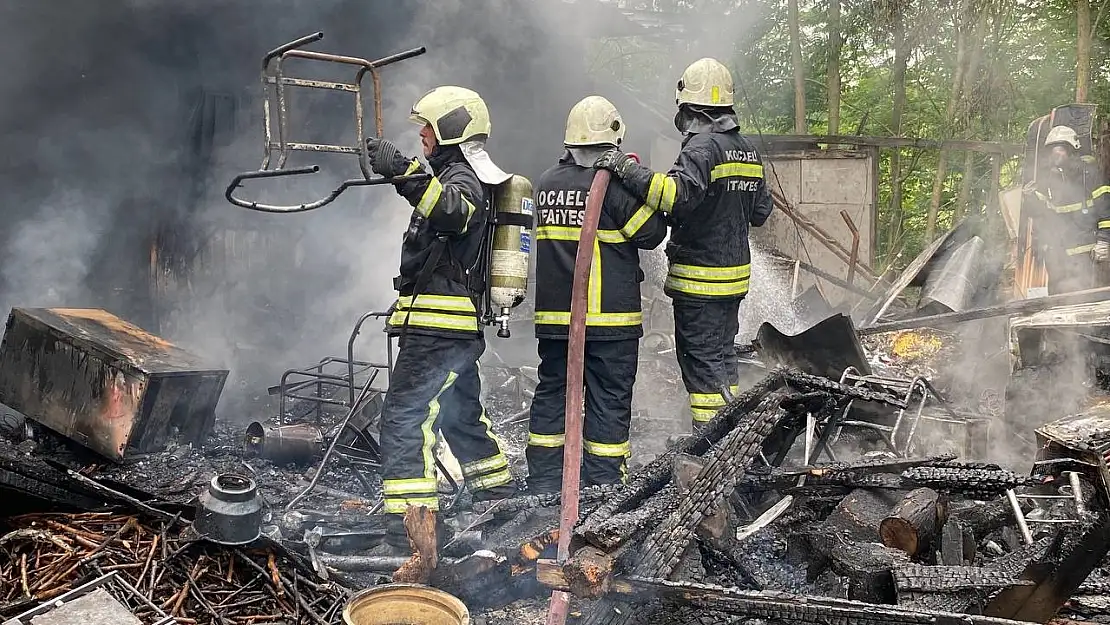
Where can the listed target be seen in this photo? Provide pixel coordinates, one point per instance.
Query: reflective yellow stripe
(409, 486)
(718, 289)
(557, 318)
(394, 505)
(593, 296)
(636, 221)
(430, 197)
(703, 415)
(1104, 224)
(726, 170)
(484, 420)
(498, 461)
(546, 440)
(570, 233)
(413, 167)
(661, 193)
(469, 213)
(493, 480)
(459, 303)
(426, 428)
(1080, 249)
(608, 450)
(1069, 208)
(1103, 190)
(435, 321)
(707, 400)
(718, 274)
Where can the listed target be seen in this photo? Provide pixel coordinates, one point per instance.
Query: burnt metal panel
(105, 383)
(825, 349)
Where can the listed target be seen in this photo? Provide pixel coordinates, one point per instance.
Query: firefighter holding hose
(613, 318)
(435, 381)
(712, 195)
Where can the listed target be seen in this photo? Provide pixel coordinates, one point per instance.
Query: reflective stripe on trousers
(438, 312)
(706, 281)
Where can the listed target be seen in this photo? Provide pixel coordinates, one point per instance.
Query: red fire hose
(576, 352)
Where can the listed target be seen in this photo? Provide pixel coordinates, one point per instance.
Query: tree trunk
(799, 69)
(950, 111)
(968, 109)
(833, 78)
(1082, 49)
(902, 49)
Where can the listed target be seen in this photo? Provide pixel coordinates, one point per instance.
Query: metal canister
(298, 444)
(229, 512)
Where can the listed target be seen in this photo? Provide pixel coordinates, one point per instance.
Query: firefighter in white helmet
(1074, 225)
(434, 383)
(614, 321)
(712, 195)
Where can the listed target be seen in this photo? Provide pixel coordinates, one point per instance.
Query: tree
(833, 75)
(799, 69)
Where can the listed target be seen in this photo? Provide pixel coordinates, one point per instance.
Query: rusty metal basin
(405, 604)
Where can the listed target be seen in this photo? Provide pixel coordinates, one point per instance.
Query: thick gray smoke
(123, 123)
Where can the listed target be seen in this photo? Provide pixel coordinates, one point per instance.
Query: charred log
(621, 528)
(982, 519)
(914, 523)
(859, 515)
(867, 565)
(973, 481)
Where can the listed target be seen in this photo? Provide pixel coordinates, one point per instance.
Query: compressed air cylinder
(508, 279)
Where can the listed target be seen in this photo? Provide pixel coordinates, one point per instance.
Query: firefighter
(613, 319)
(712, 195)
(434, 383)
(1074, 229)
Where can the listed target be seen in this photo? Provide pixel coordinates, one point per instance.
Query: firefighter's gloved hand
(617, 162)
(1102, 252)
(1030, 188)
(385, 159)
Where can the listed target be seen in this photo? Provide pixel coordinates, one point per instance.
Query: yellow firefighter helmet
(594, 121)
(1062, 134)
(456, 115)
(706, 82)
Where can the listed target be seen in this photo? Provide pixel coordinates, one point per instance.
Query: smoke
(124, 123)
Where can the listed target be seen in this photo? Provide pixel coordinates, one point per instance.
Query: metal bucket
(405, 604)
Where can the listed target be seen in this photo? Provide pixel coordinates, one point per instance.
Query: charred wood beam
(914, 524)
(806, 382)
(769, 606)
(920, 578)
(620, 528)
(654, 476)
(1069, 560)
(968, 480)
(726, 463)
(589, 497)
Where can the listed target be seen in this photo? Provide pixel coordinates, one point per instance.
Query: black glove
(385, 159)
(617, 162)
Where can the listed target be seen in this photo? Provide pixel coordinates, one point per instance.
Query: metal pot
(405, 604)
(229, 512)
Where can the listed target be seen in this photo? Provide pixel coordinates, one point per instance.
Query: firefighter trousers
(1066, 273)
(705, 335)
(435, 385)
(610, 371)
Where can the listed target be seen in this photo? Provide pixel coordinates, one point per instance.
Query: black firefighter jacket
(713, 193)
(624, 227)
(449, 212)
(1075, 209)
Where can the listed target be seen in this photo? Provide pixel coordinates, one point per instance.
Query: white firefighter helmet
(594, 121)
(706, 82)
(456, 115)
(1062, 134)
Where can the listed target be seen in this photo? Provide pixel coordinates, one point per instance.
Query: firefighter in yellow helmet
(434, 383)
(712, 195)
(614, 321)
(1073, 231)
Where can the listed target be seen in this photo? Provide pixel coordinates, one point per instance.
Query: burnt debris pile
(858, 497)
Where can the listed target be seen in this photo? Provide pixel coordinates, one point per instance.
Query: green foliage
(1027, 67)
